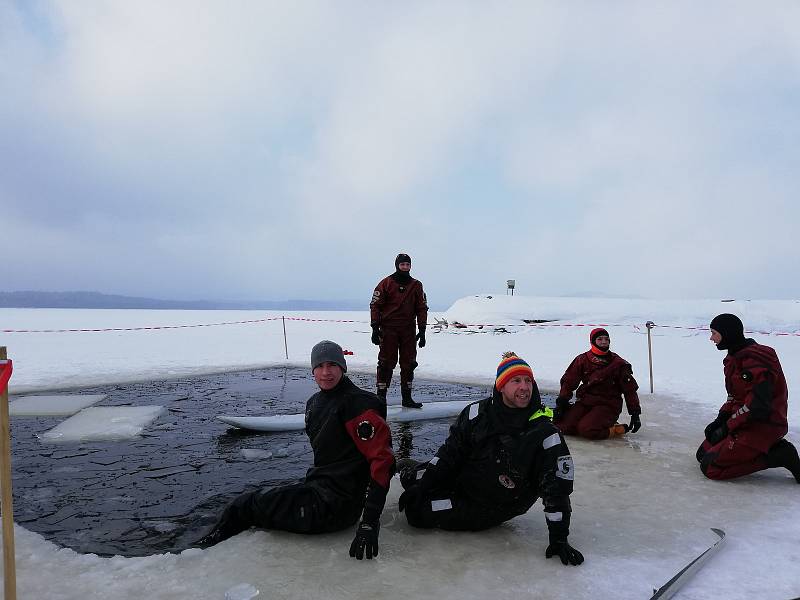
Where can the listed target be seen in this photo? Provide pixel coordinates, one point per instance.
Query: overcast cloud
(274, 150)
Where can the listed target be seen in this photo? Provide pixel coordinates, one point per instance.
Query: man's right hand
(376, 335)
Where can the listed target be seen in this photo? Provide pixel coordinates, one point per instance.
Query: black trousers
(299, 508)
(450, 510)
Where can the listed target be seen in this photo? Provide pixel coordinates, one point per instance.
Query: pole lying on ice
(669, 589)
(650, 326)
(6, 497)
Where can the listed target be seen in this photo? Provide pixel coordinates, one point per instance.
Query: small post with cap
(650, 326)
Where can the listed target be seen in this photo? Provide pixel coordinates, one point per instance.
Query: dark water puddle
(138, 497)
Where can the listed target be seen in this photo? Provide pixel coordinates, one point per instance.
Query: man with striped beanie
(601, 379)
(503, 453)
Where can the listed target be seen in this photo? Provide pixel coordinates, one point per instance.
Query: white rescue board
(394, 413)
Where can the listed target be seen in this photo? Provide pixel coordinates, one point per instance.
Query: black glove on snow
(366, 539)
(562, 549)
(561, 407)
(636, 424)
(376, 335)
(421, 338)
(715, 436)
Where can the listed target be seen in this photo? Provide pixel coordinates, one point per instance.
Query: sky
(269, 151)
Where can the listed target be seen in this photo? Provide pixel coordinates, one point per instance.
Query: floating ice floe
(103, 423)
(35, 406)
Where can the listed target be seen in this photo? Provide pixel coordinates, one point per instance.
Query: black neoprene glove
(562, 549)
(366, 540)
(636, 424)
(421, 338)
(717, 430)
(561, 407)
(715, 436)
(376, 335)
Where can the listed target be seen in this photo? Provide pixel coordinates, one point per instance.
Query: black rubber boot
(784, 454)
(408, 401)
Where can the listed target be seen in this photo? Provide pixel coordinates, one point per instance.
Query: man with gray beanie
(349, 480)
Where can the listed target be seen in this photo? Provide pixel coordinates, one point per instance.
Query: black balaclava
(731, 329)
(401, 277)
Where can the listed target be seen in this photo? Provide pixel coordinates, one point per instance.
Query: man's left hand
(567, 554)
(636, 424)
(421, 338)
(715, 436)
(366, 539)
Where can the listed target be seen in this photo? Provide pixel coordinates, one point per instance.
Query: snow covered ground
(642, 509)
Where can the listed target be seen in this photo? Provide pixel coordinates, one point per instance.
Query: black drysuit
(353, 463)
(496, 462)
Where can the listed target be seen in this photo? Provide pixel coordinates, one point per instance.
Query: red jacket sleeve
(572, 377)
(374, 440)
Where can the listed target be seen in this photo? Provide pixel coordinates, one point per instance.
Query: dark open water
(147, 495)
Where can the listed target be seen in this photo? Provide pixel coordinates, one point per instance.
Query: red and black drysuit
(601, 381)
(398, 302)
(752, 419)
(353, 463)
(496, 462)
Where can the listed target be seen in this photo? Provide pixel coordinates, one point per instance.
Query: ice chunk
(256, 454)
(30, 406)
(243, 591)
(104, 423)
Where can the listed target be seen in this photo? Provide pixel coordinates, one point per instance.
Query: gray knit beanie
(327, 351)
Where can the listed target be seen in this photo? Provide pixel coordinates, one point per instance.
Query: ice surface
(642, 509)
(52, 405)
(104, 423)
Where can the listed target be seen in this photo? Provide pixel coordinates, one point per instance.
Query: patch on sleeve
(375, 295)
(566, 469)
(365, 430)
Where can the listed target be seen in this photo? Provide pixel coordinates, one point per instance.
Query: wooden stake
(7, 498)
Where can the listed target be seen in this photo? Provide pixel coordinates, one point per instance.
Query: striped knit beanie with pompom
(510, 366)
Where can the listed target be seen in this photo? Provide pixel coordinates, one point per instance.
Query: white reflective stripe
(473, 411)
(553, 440)
(434, 460)
(553, 516)
(3, 362)
(420, 473)
(441, 504)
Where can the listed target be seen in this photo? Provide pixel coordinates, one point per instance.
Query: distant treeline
(98, 300)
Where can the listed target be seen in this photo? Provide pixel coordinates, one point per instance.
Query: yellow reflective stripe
(542, 412)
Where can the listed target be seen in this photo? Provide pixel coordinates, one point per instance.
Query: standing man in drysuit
(748, 434)
(353, 464)
(397, 303)
(601, 378)
(503, 453)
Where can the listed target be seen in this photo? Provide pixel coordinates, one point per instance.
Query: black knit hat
(401, 258)
(327, 351)
(731, 329)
